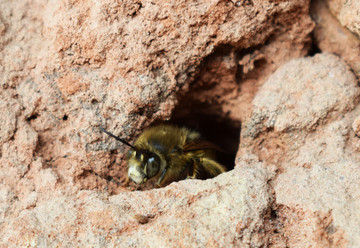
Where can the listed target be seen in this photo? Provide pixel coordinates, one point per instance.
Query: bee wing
(196, 145)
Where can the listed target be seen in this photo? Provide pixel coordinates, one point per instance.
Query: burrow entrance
(218, 98)
(216, 102)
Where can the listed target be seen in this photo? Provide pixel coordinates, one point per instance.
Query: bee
(169, 153)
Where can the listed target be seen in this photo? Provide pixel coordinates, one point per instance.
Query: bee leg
(192, 171)
(161, 178)
(127, 181)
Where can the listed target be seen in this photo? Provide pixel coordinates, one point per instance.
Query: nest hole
(218, 98)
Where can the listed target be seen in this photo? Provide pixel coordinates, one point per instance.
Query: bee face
(142, 165)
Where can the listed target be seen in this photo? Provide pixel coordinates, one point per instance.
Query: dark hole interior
(273, 214)
(314, 49)
(65, 117)
(32, 117)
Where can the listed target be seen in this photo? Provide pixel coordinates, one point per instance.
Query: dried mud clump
(274, 83)
(310, 138)
(331, 36)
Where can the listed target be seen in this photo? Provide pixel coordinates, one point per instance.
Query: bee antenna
(118, 138)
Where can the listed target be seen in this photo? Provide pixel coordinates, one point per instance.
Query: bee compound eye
(152, 167)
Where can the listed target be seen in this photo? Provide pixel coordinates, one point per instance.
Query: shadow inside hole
(225, 133)
(314, 48)
(32, 117)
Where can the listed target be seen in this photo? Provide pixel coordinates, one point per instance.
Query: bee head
(142, 165)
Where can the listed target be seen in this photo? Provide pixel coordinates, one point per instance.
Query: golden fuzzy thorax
(170, 153)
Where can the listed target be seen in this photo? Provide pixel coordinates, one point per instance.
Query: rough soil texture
(347, 13)
(311, 139)
(241, 70)
(331, 36)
